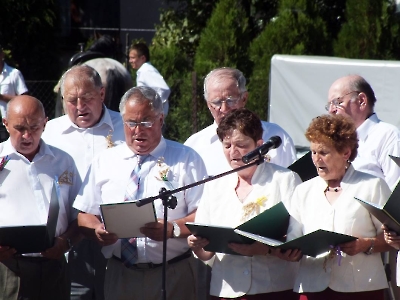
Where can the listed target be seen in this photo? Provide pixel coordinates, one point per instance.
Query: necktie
(129, 253)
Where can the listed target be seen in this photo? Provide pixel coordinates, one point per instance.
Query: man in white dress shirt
(225, 90)
(87, 129)
(354, 97)
(27, 181)
(11, 84)
(163, 163)
(147, 74)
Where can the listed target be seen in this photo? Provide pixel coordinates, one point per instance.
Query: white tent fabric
(299, 89)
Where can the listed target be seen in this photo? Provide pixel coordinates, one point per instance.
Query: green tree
(359, 36)
(28, 29)
(296, 30)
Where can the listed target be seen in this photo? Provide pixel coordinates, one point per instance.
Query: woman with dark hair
(354, 270)
(236, 198)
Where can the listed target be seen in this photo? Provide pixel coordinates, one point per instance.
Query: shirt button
(329, 270)
(246, 272)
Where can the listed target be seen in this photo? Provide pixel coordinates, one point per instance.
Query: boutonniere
(163, 171)
(253, 207)
(110, 143)
(3, 162)
(66, 178)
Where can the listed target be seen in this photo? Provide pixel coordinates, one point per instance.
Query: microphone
(272, 143)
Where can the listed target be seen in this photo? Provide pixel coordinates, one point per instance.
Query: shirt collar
(363, 129)
(214, 136)
(8, 149)
(157, 151)
(69, 126)
(345, 181)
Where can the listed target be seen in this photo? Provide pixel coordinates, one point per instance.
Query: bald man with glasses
(354, 97)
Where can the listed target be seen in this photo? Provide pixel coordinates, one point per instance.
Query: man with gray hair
(87, 129)
(148, 162)
(225, 90)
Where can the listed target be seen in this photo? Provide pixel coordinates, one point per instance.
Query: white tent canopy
(299, 89)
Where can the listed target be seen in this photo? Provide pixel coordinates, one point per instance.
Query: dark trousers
(87, 267)
(34, 278)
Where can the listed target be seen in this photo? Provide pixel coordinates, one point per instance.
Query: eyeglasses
(145, 124)
(230, 102)
(338, 101)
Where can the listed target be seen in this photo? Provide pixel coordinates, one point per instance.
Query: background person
(11, 84)
(327, 202)
(147, 74)
(224, 91)
(162, 163)
(236, 198)
(87, 129)
(26, 187)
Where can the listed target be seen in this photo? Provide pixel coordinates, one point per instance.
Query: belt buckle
(143, 266)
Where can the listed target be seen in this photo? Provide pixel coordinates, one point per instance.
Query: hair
(223, 73)
(82, 72)
(335, 130)
(243, 120)
(141, 94)
(106, 45)
(361, 85)
(141, 49)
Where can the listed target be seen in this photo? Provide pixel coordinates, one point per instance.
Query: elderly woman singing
(355, 269)
(236, 198)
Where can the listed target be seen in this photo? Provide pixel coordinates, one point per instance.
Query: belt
(150, 265)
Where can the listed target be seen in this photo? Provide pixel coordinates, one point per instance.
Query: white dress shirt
(208, 145)
(109, 175)
(26, 187)
(310, 211)
(235, 275)
(376, 141)
(148, 75)
(84, 143)
(11, 83)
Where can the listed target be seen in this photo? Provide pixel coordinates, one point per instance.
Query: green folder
(388, 214)
(272, 223)
(304, 167)
(311, 244)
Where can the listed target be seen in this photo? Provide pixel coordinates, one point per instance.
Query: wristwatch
(371, 248)
(176, 230)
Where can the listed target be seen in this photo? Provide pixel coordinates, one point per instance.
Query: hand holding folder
(272, 222)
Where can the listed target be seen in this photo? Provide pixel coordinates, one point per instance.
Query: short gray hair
(82, 72)
(142, 94)
(225, 72)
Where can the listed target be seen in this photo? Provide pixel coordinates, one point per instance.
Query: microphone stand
(170, 201)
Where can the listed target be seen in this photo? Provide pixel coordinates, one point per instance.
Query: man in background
(11, 84)
(87, 129)
(147, 74)
(354, 97)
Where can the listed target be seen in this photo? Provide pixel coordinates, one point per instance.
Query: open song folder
(304, 167)
(125, 218)
(33, 238)
(389, 213)
(272, 222)
(311, 244)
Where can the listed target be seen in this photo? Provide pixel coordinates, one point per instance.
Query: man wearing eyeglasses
(150, 162)
(225, 90)
(87, 129)
(354, 97)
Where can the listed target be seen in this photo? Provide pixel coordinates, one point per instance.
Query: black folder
(305, 167)
(389, 213)
(395, 159)
(272, 222)
(33, 238)
(311, 244)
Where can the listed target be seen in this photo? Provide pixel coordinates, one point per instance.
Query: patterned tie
(129, 253)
